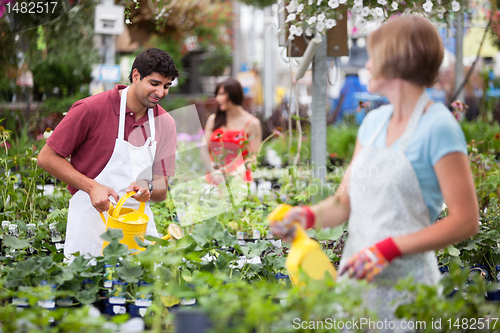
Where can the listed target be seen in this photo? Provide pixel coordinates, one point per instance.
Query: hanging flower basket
(318, 16)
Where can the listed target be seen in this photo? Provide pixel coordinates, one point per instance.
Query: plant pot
(191, 321)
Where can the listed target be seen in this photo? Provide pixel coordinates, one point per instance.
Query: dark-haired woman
(231, 131)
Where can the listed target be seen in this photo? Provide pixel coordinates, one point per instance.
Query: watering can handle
(120, 203)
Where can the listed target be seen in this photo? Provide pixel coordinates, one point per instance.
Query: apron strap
(123, 106)
(151, 119)
(422, 102)
(121, 125)
(410, 127)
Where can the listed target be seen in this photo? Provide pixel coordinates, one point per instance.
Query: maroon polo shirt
(88, 134)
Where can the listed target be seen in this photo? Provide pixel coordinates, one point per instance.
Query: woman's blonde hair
(406, 47)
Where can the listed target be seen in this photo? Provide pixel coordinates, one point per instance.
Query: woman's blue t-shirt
(437, 134)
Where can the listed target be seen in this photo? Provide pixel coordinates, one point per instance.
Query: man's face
(151, 89)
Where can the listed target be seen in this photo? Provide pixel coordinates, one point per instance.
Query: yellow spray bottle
(305, 253)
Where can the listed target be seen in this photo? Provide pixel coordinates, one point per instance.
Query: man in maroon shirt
(109, 138)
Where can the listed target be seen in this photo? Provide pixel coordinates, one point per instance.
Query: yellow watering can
(305, 253)
(133, 222)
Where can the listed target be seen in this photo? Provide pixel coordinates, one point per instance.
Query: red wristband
(389, 249)
(310, 217)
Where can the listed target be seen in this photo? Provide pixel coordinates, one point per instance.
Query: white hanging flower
(299, 31)
(330, 23)
(300, 8)
(127, 21)
(342, 1)
(427, 6)
(311, 20)
(291, 17)
(320, 27)
(361, 22)
(358, 3)
(365, 12)
(321, 17)
(455, 6)
(379, 12)
(310, 2)
(382, 2)
(292, 30)
(309, 31)
(319, 2)
(292, 7)
(394, 5)
(356, 10)
(333, 4)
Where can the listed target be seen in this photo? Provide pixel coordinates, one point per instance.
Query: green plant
(216, 61)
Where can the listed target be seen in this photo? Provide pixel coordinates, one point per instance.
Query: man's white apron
(126, 165)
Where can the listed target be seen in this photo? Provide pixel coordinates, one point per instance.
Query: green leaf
(255, 249)
(115, 249)
(111, 234)
(129, 273)
(15, 243)
(221, 263)
(453, 251)
(329, 233)
(87, 296)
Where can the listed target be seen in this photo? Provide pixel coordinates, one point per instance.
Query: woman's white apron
(386, 201)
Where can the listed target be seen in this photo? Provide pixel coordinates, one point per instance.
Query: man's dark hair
(154, 61)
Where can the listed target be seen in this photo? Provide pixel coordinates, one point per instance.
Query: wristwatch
(150, 186)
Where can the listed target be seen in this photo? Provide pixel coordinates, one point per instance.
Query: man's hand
(99, 196)
(369, 262)
(142, 189)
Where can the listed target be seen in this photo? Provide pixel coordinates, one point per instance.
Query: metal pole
(318, 118)
(459, 54)
(268, 72)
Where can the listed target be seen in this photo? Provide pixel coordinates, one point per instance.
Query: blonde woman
(409, 157)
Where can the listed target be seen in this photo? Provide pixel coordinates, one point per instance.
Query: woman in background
(231, 131)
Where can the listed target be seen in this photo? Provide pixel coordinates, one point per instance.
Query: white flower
(440, 16)
(361, 22)
(292, 30)
(290, 37)
(48, 132)
(394, 5)
(309, 31)
(365, 12)
(455, 6)
(358, 3)
(300, 8)
(299, 31)
(356, 10)
(379, 12)
(382, 2)
(427, 6)
(330, 23)
(320, 27)
(311, 20)
(319, 2)
(342, 1)
(333, 4)
(291, 17)
(292, 7)
(310, 2)
(321, 17)
(127, 21)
